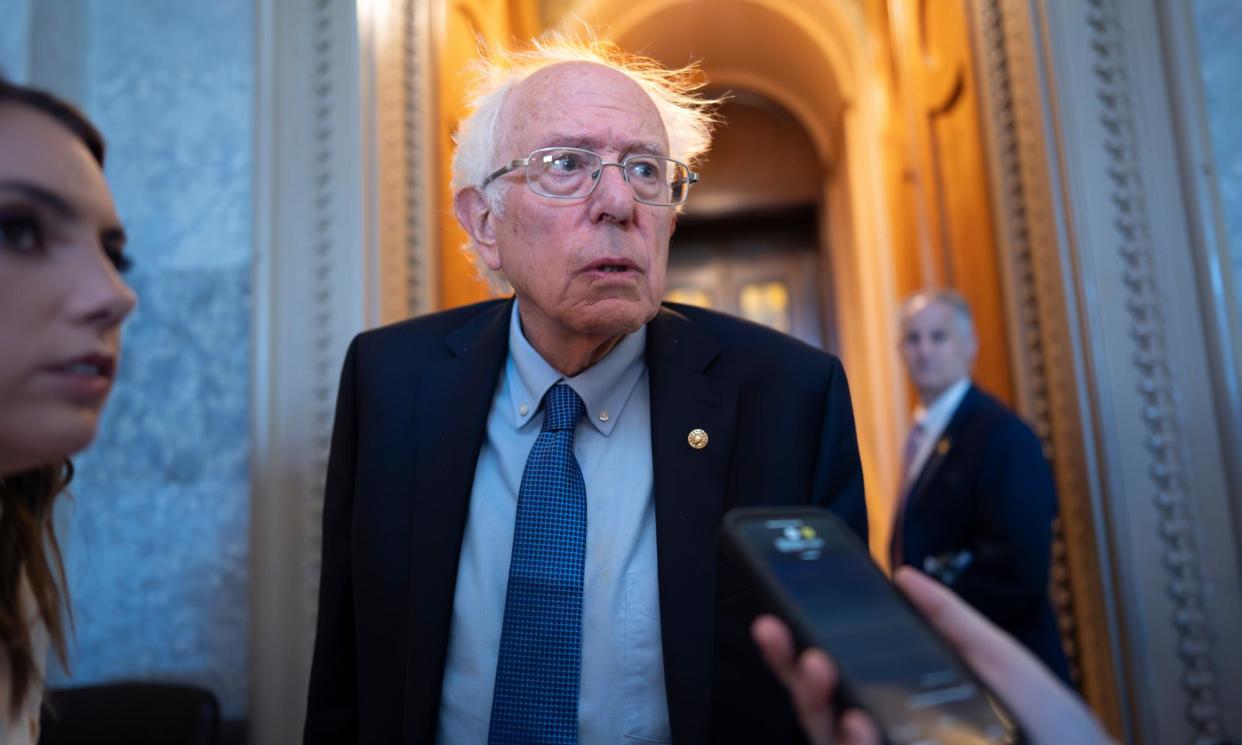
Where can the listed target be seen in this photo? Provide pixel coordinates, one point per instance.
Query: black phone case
(789, 611)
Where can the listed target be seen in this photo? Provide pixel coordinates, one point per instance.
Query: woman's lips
(87, 379)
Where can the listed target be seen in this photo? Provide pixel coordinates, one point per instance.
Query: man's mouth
(611, 266)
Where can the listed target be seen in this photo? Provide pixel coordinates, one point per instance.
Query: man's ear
(972, 348)
(475, 216)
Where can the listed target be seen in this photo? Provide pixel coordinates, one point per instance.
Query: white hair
(688, 118)
(952, 298)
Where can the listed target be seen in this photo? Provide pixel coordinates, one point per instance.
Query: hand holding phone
(1050, 712)
(890, 664)
(811, 680)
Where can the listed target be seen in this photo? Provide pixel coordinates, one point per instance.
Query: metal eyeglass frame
(691, 177)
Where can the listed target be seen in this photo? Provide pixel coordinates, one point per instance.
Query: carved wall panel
(1041, 334)
(342, 244)
(1126, 402)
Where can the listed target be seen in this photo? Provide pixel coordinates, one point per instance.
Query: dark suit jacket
(410, 421)
(987, 489)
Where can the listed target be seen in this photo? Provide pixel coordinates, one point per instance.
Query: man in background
(977, 497)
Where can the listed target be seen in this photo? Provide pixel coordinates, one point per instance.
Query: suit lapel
(689, 485)
(454, 397)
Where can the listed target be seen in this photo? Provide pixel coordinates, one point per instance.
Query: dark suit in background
(987, 489)
(410, 420)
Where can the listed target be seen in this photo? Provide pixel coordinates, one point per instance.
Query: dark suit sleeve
(331, 711)
(1012, 552)
(838, 480)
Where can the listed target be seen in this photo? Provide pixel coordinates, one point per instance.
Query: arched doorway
(748, 242)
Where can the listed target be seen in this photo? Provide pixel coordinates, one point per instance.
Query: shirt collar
(936, 417)
(604, 387)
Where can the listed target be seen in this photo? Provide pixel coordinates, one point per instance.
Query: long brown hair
(28, 546)
(28, 543)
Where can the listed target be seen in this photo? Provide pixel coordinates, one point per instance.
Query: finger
(776, 645)
(814, 682)
(1048, 710)
(858, 729)
(818, 678)
(987, 649)
(811, 679)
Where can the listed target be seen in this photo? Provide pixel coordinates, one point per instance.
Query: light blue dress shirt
(621, 696)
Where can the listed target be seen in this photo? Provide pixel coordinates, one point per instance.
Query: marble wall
(1219, 26)
(158, 526)
(14, 39)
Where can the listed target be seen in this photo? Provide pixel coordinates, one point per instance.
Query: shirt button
(523, 409)
(603, 415)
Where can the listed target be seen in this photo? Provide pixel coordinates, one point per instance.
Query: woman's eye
(20, 233)
(120, 260)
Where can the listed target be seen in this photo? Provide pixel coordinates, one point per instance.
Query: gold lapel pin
(697, 439)
(942, 447)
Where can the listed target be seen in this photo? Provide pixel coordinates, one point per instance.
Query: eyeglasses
(573, 173)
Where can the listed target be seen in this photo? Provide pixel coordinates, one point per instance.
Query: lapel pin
(697, 439)
(942, 447)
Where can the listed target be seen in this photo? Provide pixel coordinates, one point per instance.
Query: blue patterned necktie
(536, 694)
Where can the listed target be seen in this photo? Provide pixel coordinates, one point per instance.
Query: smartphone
(822, 581)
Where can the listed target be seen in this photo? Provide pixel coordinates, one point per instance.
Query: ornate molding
(1040, 332)
(389, 152)
(311, 296)
(419, 151)
(1027, 332)
(1157, 388)
(403, 158)
(323, 354)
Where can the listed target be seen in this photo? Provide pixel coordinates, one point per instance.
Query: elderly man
(977, 497)
(523, 495)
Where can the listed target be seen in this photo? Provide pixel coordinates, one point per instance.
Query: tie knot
(562, 409)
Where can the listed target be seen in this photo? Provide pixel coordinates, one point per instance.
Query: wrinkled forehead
(584, 104)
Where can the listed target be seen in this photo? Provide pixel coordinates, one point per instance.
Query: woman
(62, 301)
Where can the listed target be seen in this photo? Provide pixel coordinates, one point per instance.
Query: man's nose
(613, 197)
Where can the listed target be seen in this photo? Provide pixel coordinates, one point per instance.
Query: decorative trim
(1161, 415)
(388, 50)
(1040, 336)
(1026, 332)
(317, 283)
(420, 191)
(323, 355)
(399, 150)
(1016, 241)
